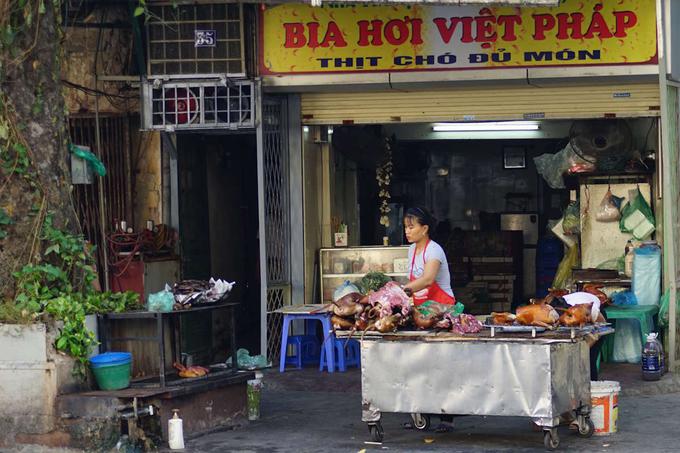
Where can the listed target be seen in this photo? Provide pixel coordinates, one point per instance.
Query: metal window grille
(277, 217)
(216, 103)
(277, 297)
(171, 38)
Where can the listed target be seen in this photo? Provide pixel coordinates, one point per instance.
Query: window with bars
(196, 39)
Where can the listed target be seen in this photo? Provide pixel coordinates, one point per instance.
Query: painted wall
(147, 179)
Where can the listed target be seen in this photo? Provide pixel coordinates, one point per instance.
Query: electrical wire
(94, 91)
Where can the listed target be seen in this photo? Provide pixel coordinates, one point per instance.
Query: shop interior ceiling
(420, 154)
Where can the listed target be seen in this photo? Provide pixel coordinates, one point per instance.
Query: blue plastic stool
(325, 319)
(349, 355)
(305, 346)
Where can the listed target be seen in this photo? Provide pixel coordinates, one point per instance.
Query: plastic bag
(564, 270)
(647, 274)
(249, 362)
(637, 217)
(627, 343)
(344, 289)
(624, 298)
(663, 309)
(553, 166)
(92, 160)
(161, 301)
(571, 222)
(608, 211)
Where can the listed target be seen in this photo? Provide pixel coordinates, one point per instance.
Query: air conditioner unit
(203, 102)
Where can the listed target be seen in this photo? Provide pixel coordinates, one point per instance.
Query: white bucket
(604, 397)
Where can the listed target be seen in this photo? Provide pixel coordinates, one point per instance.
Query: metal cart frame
(540, 378)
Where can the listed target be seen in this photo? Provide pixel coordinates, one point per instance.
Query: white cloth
(433, 251)
(581, 297)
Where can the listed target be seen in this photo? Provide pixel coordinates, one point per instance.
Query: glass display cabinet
(352, 263)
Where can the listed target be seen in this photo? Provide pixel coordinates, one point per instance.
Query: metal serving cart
(540, 376)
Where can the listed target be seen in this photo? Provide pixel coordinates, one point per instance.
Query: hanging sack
(608, 210)
(637, 217)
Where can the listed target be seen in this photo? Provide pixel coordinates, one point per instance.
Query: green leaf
(41, 8)
(52, 248)
(4, 131)
(4, 218)
(139, 11)
(61, 342)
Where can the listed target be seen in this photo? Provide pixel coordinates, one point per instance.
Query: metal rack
(160, 318)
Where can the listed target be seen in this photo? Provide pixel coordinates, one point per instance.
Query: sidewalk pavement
(294, 421)
(308, 411)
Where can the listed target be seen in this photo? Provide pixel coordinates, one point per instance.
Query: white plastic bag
(627, 343)
(608, 211)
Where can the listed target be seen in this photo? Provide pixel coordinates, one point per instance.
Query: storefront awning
(449, 2)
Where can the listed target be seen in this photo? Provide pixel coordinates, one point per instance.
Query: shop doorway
(495, 209)
(218, 228)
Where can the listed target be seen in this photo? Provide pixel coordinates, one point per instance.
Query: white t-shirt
(579, 298)
(433, 251)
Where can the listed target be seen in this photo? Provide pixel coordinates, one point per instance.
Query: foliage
(60, 286)
(373, 281)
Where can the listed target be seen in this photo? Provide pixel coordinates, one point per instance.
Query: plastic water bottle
(652, 359)
(175, 432)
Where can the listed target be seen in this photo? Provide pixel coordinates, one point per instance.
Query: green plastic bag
(427, 308)
(162, 301)
(571, 223)
(637, 217)
(92, 160)
(249, 362)
(663, 309)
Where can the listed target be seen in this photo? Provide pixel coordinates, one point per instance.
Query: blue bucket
(110, 359)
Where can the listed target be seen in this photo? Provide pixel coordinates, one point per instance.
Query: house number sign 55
(205, 38)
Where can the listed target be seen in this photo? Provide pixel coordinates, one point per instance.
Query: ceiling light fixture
(487, 126)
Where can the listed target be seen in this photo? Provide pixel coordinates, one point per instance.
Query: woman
(429, 270)
(428, 273)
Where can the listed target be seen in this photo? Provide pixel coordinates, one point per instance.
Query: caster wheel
(586, 429)
(551, 440)
(421, 422)
(376, 432)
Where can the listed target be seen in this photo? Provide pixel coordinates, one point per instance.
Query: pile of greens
(373, 281)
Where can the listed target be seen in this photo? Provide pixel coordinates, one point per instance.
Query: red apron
(434, 291)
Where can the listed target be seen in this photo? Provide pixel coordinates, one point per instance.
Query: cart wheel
(376, 431)
(421, 422)
(587, 428)
(551, 440)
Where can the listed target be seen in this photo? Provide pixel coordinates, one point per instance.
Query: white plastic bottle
(175, 432)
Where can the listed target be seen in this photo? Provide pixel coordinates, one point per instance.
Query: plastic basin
(112, 370)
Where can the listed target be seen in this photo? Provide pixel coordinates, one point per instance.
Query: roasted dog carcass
(595, 291)
(190, 372)
(540, 314)
(502, 319)
(348, 305)
(577, 316)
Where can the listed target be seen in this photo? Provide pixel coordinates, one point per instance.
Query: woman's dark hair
(422, 216)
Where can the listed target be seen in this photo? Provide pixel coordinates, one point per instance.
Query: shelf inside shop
(389, 274)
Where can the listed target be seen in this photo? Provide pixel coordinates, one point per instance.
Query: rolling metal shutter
(482, 104)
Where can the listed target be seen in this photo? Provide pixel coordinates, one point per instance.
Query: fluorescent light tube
(487, 126)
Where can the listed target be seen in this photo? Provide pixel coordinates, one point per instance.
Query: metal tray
(523, 329)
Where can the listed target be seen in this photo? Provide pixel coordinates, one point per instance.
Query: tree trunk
(33, 108)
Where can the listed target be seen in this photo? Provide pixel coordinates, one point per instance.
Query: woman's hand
(408, 291)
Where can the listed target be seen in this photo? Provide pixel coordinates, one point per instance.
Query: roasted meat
(348, 305)
(341, 323)
(576, 316)
(502, 319)
(190, 372)
(595, 291)
(540, 314)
